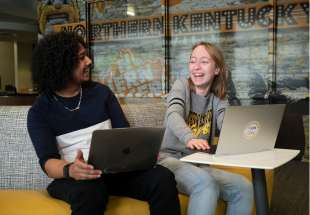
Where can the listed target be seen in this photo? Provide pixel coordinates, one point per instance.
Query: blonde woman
(196, 106)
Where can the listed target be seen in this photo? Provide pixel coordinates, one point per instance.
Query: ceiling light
(130, 13)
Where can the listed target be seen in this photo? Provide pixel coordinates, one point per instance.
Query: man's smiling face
(81, 73)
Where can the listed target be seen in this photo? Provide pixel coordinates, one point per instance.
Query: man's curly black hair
(54, 59)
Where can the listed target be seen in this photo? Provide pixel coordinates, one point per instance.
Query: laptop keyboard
(211, 151)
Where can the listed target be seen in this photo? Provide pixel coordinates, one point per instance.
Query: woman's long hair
(219, 83)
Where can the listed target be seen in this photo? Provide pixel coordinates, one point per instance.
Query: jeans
(205, 185)
(156, 185)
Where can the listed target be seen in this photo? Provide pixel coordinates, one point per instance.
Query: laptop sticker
(251, 130)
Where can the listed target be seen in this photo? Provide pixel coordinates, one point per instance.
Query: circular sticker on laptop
(251, 130)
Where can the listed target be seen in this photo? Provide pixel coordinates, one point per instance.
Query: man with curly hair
(60, 125)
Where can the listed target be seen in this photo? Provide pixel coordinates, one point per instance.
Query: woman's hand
(199, 144)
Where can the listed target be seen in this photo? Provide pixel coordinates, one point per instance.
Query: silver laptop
(125, 149)
(248, 129)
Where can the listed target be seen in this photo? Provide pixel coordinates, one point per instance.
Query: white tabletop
(258, 160)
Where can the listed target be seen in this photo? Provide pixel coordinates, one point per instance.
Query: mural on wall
(232, 19)
(241, 32)
(56, 12)
(172, 2)
(246, 53)
(98, 7)
(133, 76)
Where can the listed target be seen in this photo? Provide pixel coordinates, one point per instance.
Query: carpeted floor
(291, 189)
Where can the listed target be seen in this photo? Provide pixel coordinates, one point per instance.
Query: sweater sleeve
(117, 116)
(221, 108)
(42, 137)
(175, 114)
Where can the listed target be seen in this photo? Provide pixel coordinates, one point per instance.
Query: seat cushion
(31, 202)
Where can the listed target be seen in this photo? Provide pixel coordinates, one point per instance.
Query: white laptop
(248, 129)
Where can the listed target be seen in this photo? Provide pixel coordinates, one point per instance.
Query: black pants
(156, 185)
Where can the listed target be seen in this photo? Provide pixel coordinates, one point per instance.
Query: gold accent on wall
(72, 11)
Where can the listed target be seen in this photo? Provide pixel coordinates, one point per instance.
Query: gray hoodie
(179, 104)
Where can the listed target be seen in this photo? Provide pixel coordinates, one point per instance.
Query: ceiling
(18, 21)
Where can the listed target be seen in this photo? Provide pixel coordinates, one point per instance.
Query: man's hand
(198, 144)
(81, 171)
(158, 158)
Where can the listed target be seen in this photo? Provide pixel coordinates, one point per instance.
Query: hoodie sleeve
(175, 114)
(221, 108)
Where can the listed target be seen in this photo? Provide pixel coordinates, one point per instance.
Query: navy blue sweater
(57, 132)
